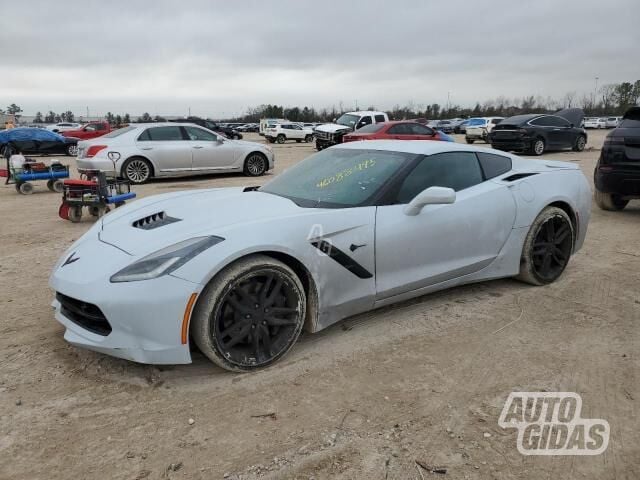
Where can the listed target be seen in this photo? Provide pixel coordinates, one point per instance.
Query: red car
(401, 130)
(89, 130)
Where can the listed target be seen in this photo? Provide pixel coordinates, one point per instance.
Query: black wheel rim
(257, 319)
(552, 248)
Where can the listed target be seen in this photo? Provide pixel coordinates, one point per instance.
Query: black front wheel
(250, 314)
(547, 247)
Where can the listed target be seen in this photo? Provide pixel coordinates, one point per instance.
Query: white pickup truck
(332, 133)
(281, 132)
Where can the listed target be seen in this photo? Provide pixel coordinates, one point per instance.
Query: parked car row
(602, 122)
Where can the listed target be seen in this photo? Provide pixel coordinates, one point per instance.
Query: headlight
(165, 261)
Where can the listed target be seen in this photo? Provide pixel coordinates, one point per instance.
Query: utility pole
(595, 92)
(448, 101)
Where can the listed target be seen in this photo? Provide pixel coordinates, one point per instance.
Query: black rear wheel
(547, 247)
(609, 201)
(250, 315)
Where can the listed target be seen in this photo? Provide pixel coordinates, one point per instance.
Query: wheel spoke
(279, 322)
(274, 293)
(238, 306)
(264, 291)
(237, 334)
(266, 339)
(561, 234)
(546, 264)
(283, 310)
(550, 230)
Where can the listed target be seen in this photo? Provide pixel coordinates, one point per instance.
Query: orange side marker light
(187, 317)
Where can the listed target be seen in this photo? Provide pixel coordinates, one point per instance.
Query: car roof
(420, 147)
(365, 112)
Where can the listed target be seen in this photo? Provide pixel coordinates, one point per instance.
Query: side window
(495, 121)
(541, 122)
(164, 134)
(457, 170)
(100, 126)
(399, 129)
(296, 127)
(144, 136)
(417, 129)
(493, 165)
(199, 134)
(380, 119)
(365, 121)
(557, 121)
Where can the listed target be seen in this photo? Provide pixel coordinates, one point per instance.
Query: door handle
(197, 146)
(146, 148)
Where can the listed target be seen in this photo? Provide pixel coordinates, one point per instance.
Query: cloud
(219, 58)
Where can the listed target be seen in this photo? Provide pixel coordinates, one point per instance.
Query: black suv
(617, 174)
(213, 126)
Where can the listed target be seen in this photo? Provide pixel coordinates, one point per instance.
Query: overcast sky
(218, 58)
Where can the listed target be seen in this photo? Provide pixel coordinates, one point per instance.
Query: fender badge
(70, 259)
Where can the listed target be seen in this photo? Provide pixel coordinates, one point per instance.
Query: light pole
(448, 101)
(595, 93)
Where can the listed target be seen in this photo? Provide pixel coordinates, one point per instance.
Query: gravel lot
(424, 379)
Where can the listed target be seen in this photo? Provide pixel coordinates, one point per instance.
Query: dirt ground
(422, 380)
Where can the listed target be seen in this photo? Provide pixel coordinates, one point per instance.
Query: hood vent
(156, 220)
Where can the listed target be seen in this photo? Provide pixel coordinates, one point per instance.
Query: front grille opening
(86, 315)
(156, 220)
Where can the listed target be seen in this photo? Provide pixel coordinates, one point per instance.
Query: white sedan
(142, 151)
(242, 271)
(595, 123)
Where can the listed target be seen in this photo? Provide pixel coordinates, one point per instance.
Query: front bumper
(145, 317)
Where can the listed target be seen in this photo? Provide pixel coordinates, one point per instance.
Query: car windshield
(337, 177)
(117, 133)
(476, 122)
(373, 128)
(348, 120)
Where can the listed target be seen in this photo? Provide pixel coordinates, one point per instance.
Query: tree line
(610, 99)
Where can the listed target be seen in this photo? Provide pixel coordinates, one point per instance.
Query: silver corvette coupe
(240, 272)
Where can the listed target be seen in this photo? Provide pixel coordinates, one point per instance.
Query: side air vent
(156, 220)
(518, 176)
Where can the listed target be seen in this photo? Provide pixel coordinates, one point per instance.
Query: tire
(255, 165)
(308, 138)
(55, 185)
(581, 142)
(25, 188)
(547, 247)
(271, 140)
(319, 146)
(469, 140)
(75, 214)
(609, 201)
(538, 147)
(298, 140)
(281, 139)
(137, 170)
(72, 150)
(260, 338)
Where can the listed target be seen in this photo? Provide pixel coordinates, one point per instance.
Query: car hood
(572, 115)
(332, 128)
(147, 225)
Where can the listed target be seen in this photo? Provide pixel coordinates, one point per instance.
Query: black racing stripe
(342, 258)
